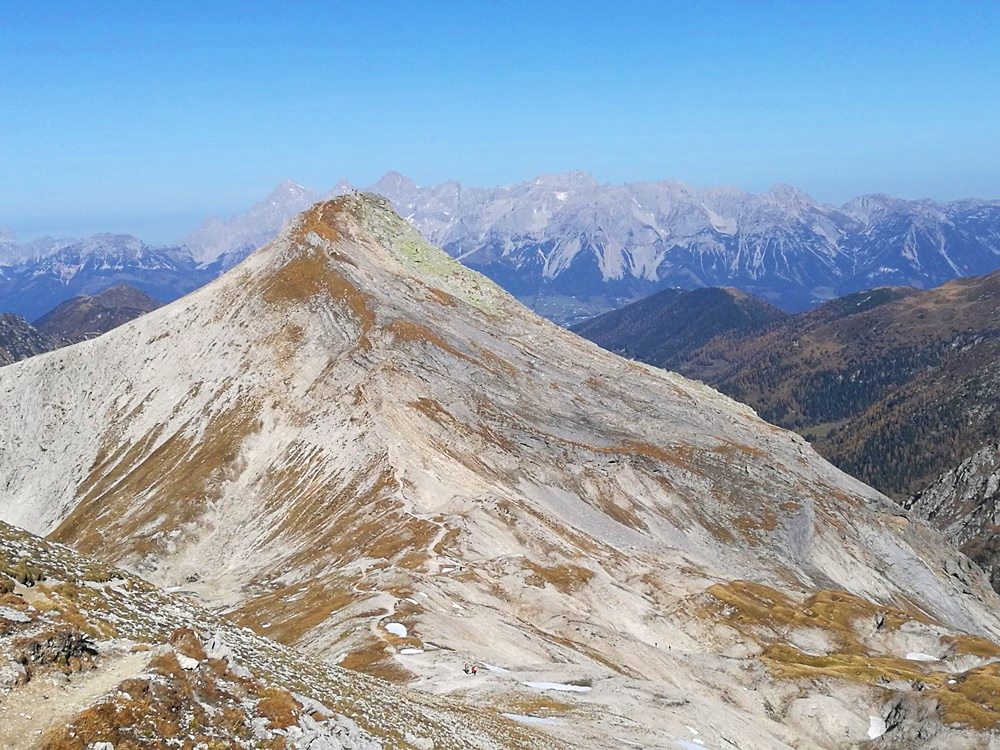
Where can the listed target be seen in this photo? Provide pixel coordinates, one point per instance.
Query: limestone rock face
(354, 444)
(964, 504)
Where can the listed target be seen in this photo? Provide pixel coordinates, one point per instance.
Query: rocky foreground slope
(90, 654)
(352, 444)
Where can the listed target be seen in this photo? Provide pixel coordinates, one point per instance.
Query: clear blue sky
(121, 116)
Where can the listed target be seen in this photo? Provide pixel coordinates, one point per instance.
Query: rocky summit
(356, 447)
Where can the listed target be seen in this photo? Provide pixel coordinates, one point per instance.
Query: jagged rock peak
(288, 189)
(393, 184)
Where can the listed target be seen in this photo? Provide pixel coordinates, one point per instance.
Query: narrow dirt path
(27, 713)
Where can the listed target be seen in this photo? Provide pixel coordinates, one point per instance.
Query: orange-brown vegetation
(766, 615)
(154, 483)
(564, 578)
(375, 659)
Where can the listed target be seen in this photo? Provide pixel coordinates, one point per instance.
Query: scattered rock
(421, 743)
(13, 615)
(68, 649)
(13, 674)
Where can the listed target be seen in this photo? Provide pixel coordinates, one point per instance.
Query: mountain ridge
(87, 316)
(352, 443)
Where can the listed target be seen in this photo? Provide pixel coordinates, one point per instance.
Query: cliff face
(964, 504)
(20, 340)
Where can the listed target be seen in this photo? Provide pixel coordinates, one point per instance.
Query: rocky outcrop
(155, 670)
(20, 340)
(964, 504)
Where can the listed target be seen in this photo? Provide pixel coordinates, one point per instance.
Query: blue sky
(129, 117)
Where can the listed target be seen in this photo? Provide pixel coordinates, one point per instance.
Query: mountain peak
(393, 184)
(789, 194)
(573, 179)
(350, 422)
(288, 197)
(366, 221)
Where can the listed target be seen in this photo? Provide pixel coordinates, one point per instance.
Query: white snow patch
(411, 651)
(397, 628)
(187, 663)
(920, 656)
(527, 719)
(558, 686)
(876, 727)
(495, 668)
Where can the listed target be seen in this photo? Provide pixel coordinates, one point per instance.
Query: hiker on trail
(466, 668)
(475, 669)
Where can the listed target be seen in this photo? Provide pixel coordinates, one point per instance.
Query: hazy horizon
(140, 119)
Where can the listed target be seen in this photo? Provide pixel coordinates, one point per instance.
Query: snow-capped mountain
(354, 444)
(568, 237)
(570, 247)
(37, 276)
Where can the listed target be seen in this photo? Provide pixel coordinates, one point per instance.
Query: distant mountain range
(37, 276)
(570, 247)
(74, 320)
(894, 385)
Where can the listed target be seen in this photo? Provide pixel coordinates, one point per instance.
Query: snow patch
(397, 628)
(920, 656)
(876, 727)
(558, 686)
(527, 719)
